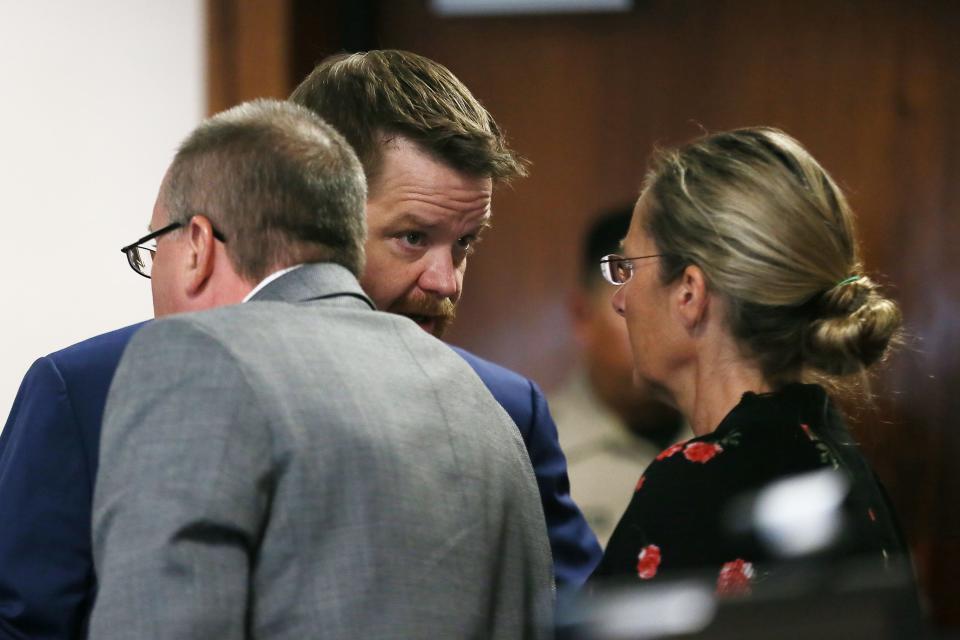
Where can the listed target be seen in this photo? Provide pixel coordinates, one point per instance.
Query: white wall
(95, 95)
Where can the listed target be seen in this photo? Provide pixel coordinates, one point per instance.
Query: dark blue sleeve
(46, 573)
(575, 548)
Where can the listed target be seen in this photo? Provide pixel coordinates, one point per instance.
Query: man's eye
(413, 238)
(467, 242)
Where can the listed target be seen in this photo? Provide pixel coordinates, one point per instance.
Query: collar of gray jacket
(314, 281)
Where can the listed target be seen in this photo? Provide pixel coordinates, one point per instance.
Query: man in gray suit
(300, 466)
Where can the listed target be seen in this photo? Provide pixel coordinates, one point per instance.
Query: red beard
(432, 314)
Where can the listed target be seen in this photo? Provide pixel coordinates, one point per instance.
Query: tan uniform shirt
(604, 459)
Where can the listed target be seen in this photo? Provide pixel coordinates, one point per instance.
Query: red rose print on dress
(640, 483)
(826, 457)
(648, 561)
(669, 451)
(734, 578)
(701, 451)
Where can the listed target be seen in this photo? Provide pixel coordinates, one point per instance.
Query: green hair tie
(849, 280)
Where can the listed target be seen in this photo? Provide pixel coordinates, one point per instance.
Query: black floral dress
(678, 518)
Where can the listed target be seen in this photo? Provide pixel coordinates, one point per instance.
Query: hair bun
(852, 328)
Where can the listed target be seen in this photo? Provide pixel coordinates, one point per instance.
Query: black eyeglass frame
(128, 250)
(611, 258)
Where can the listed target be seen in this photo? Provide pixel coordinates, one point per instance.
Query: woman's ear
(691, 297)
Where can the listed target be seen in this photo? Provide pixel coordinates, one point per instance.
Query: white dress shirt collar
(270, 278)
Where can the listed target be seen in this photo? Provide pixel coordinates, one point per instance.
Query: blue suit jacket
(48, 464)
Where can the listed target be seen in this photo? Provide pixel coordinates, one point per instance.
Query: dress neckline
(794, 401)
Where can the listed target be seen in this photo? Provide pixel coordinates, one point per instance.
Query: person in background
(746, 304)
(279, 459)
(610, 429)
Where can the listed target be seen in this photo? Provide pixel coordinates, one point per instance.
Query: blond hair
(774, 235)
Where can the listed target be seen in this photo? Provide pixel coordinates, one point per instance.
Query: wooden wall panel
(248, 51)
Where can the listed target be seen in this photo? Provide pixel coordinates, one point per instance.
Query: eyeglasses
(618, 270)
(140, 253)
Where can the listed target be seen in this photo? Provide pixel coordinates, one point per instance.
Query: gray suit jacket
(301, 466)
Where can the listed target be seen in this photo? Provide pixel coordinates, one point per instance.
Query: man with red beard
(432, 155)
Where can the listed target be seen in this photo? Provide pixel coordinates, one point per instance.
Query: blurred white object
(670, 609)
(486, 7)
(801, 515)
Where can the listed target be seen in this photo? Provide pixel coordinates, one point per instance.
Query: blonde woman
(740, 284)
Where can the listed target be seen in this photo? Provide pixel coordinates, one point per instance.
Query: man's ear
(692, 297)
(201, 257)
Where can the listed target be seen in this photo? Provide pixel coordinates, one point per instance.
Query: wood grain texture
(248, 51)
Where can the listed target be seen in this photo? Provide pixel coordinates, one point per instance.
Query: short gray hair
(280, 183)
